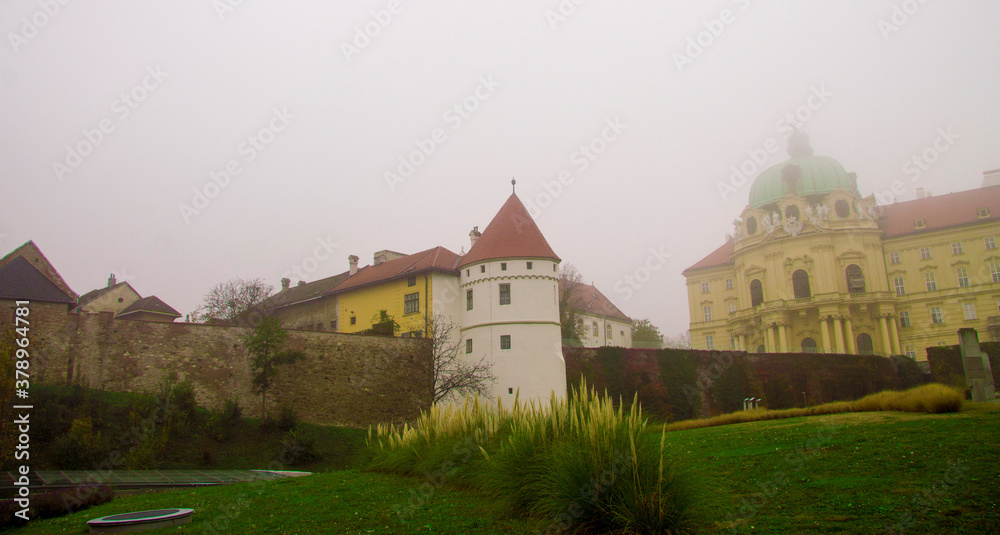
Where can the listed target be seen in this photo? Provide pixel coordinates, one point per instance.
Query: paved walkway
(137, 479)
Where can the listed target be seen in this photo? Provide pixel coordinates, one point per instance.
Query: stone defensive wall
(344, 379)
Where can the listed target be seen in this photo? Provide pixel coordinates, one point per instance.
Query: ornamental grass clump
(582, 465)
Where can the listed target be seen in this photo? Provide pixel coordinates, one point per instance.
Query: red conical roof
(511, 234)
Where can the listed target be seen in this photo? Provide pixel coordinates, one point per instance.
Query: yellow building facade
(814, 266)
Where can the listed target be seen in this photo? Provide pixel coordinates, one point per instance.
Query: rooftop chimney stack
(111, 280)
(301, 283)
(353, 261)
(285, 283)
(474, 235)
(379, 257)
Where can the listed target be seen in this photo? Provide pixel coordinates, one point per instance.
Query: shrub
(300, 448)
(580, 465)
(56, 503)
(287, 419)
(221, 426)
(80, 448)
(932, 398)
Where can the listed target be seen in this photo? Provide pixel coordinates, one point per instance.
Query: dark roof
(436, 259)
(94, 294)
(591, 301)
(149, 304)
(941, 211)
(722, 256)
(30, 252)
(511, 234)
(20, 280)
(307, 291)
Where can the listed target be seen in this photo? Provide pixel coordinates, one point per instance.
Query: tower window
(504, 341)
(468, 345)
(529, 265)
(482, 268)
(503, 266)
(468, 300)
(751, 226)
(505, 294)
(842, 208)
(792, 211)
(756, 293)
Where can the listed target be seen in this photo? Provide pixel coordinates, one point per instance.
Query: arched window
(809, 346)
(756, 293)
(843, 209)
(792, 211)
(800, 283)
(865, 345)
(855, 279)
(751, 226)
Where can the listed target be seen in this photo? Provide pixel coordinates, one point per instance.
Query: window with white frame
(930, 281)
(729, 284)
(607, 331)
(732, 307)
(900, 285)
(411, 303)
(505, 294)
(705, 288)
(963, 277)
(709, 342)
(991, 243)
(956, 248)
(904, 318)
(970, 311)
(925, 253)
(936, 315)
(911, 352)
(708, 313)
(893, 258)
(995, 271)
(595, 330)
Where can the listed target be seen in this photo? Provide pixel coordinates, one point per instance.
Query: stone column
(886, 342)
(824, 330)
(770, 338)
(782, 338)
(852, 344)
(897, 349)
(838, 333)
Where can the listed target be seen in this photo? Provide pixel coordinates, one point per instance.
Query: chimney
(285, 282)
(301, 283)
(353, 261)
(921, 194)
(379, 257)
(474, 235)
(111, 280)
(991, 178)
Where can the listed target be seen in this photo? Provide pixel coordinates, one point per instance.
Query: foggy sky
(313, 112)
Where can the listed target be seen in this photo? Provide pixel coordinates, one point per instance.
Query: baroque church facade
(813, 266)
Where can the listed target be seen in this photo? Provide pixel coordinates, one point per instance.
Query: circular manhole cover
(140, 521)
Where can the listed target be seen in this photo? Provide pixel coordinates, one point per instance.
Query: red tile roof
(511, 234)
(590, 300)
(719, 257)
(436, 259)
(940, 211)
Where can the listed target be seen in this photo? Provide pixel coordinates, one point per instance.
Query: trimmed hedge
(680, 384)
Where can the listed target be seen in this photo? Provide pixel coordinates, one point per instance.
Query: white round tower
(509, 281)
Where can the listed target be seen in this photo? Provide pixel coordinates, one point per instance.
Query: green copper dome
(803, 175)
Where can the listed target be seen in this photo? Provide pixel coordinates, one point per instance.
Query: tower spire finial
(513, 186)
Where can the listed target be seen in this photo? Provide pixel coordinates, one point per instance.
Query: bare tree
(452, 373)
(681, 341)
(236, 302)
(570, 306)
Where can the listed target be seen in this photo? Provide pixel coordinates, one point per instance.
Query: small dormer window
(919, 223)
(984, 213)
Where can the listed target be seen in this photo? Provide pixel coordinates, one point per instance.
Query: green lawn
(848, 473)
